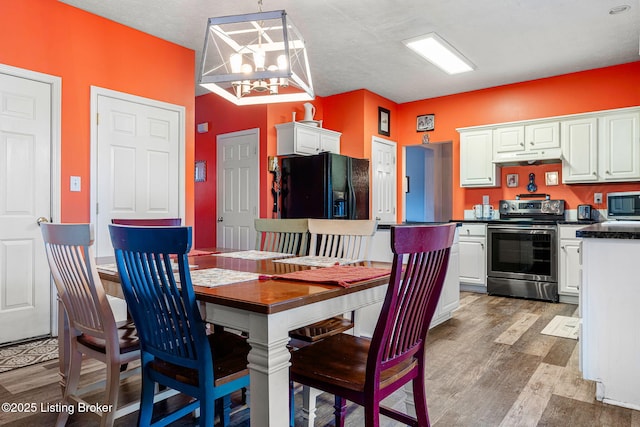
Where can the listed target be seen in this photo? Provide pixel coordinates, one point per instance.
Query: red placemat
(341, 275)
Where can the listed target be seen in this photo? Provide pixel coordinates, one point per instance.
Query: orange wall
(600, 89)
(85, 50)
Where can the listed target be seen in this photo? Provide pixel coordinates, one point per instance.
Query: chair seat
(341, 361)
(127, 339)
(322, 329)
(230, 353)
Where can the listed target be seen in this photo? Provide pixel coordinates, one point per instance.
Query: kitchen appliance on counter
(325, 185)
(584, 212)
(522, 258)
(623, 206)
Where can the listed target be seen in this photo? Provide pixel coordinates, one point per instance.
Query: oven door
(525, 252)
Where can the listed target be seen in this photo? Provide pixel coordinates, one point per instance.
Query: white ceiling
(354, 44)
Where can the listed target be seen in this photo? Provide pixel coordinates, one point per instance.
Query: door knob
(220, 219)
(41, 220)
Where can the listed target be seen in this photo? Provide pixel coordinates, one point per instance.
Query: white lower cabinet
(569, 266)
(473, 255)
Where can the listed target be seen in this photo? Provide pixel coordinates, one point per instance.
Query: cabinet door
(569, 279)
(542, 136)
(330, 143)
(509, 139)
(476, 160)
(306, 141)
(580, 150)
(450, 296)
(620, 148)
(473, 262)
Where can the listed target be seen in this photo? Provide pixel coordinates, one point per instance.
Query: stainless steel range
(522, 256)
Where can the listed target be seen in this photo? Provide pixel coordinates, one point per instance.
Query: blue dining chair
(176, 350)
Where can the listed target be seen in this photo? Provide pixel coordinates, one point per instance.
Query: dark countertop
(515, 221)
(388, 226)
(609, 230)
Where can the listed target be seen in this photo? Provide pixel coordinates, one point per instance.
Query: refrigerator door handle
(352, 193)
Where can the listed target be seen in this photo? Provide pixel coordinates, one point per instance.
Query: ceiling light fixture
(436, 50)
(256, 58)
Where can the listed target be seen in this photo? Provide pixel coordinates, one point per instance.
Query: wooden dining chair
(336, 238)
(366, 371)
(290, 236)
(150, 222)
(176, 350)
(92, 329)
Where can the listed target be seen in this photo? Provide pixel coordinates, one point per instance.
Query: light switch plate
(74, 183)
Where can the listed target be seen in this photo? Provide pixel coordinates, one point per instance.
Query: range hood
(548, 155)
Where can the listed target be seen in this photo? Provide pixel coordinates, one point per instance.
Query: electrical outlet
(597, 198)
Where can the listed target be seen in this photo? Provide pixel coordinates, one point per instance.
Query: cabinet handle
(482, 245)
(608, 173)
(522, 144)
(594, 174)
(531, 143)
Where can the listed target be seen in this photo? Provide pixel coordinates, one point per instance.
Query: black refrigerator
(325, 185)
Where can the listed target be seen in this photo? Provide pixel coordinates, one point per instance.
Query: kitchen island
(609, 297)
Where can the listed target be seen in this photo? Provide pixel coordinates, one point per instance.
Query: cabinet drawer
(473, 230)
(569, 231)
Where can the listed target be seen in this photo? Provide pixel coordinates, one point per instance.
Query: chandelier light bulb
(258, 59)
(236, 63)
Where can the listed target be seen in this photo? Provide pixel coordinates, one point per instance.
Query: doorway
(138, 166)
(238, 182)
(428, 186)
(29, 167)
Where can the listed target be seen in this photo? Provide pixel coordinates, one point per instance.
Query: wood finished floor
(487, 366)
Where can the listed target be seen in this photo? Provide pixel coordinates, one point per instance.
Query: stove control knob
(505, 206)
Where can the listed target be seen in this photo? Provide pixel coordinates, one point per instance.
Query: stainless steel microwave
(624, 205)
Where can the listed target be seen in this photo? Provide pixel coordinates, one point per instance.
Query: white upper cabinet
(476, 159)
(619, 156)
(300, 138)
(580, 150)
(534, 141)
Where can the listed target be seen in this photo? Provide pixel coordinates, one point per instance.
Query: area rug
(563, 326)
(29, 353)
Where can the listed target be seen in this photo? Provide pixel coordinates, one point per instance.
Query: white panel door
(383, 185)
(25, 195)
(238, 183)
(138, 164)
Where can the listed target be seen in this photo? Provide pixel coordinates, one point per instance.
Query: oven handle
(514, 227)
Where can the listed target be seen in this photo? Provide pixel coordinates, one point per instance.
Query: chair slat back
(413, 293)
(164, 309)
(155, 222)
(341, 238)
(70, 253)
(282, 235)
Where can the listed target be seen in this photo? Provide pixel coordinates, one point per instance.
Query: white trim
(55, 84)
(96, 92)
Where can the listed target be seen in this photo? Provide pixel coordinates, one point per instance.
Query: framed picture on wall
(384, 121)
(551, 178)
(512, 180)
(426, 122)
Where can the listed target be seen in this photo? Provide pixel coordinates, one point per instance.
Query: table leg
(269, 369)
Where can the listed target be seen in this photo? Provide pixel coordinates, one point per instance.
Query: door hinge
(97, 210)
(97, 119)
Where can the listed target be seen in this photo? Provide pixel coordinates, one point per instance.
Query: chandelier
(256, 58)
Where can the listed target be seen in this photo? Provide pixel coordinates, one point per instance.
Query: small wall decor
(425, 122)
(551, 178)
(384, 121)
(512, 180)
(201, 171)
(532, 187)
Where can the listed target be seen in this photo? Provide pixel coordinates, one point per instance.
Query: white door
(25, 195)
(238, 183)
(138, 168)
(383, 184)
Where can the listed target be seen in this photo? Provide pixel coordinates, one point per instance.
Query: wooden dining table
(266, 309)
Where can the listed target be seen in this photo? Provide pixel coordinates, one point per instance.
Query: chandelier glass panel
(256, 58)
